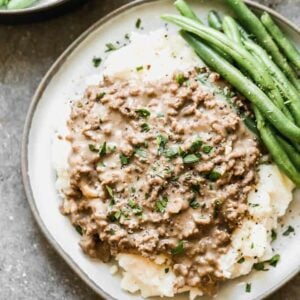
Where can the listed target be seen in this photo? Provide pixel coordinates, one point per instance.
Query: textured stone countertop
(29, 267)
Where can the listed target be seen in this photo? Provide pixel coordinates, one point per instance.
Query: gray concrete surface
(29, 267)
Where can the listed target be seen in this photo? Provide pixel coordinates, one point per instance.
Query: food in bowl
(161, 175)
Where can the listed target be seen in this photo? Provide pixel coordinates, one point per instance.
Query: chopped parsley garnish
(143, 113)
(260, 266)
(195, 145)
(138, 23)
(214, 175)
(145, 127)
(167, 270)
(97, 61)
(179, 249)
(190, 159)
(180, 78)
(196, 188)
(140, 152)
(110, 47)
(273, 235)
(241, 260)
(100, 96)
(170, 153)
(111, 194)
(161, 142)
(207, 149)
(139, 68)
(103, 150)
(253, 204)
(93, 148)
(126, 36)
(161, 204)
(136, 209)
(131, 203)
(289, 230)
(117, 215)
(79, 229)
(248, 288)
(274, 260)
(124, 159)
(194, 203)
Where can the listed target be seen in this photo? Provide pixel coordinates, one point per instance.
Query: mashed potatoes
(252, 240)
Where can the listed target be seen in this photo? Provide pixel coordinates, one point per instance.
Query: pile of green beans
(16, 4)
(263, 71)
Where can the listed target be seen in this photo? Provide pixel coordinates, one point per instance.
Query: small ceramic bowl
(38, 11)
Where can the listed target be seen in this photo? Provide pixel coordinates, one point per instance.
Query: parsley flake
(289, 230)
(138, 23)
(110, 47)
(194, 203)
(97, 61)
(190, 159)
(145, 127)
(179, 249)
(248, 288)
(180, 78)
(124, 159)
(160, 205)
(143, 113)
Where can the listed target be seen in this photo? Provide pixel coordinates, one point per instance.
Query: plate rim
(55, 67)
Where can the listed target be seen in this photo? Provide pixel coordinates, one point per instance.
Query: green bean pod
(276, 150)
(214, 20)
(248, 88)
(185, 10)
(241, 83)
(231, 30)
(286, 88)
(290, 150)
(282, 41)
(254, 26)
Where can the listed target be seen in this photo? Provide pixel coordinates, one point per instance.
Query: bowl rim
(32, 9)
(28, 121)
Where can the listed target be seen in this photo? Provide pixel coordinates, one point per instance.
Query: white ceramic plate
(65, 81)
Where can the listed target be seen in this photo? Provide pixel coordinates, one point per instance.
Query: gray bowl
(37, 12)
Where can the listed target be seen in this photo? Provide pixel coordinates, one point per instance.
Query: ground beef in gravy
(160, 168)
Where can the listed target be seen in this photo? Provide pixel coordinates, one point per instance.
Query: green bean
(254, 26)
(235, 33)
(277, 152)
(214, 20)
(286, 88)
(263, 58)
(282, 41)
(221, 41)
(290, 150)
(241, 83)
(3, 2)
(18, 4)
(231, 30)
(185, 10)
(248, 88)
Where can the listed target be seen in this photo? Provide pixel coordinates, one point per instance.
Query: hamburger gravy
(161, 168)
